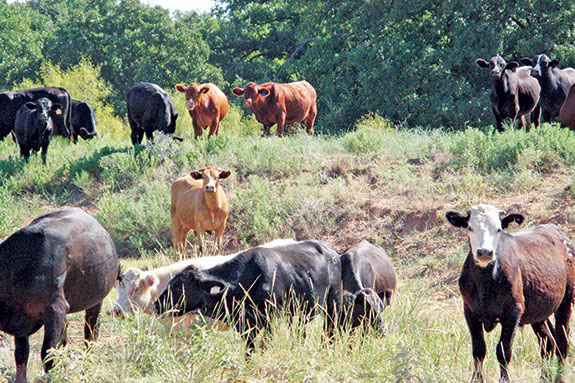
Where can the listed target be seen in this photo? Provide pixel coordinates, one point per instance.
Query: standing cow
(515, 280)
(200, 204)
(11, 102)
(63, 262)
(368, 279)
(567, 113)
(280, 104)
(207, 106)
(34, 127)
(555, 83)
(150, 108)
(514, 93)
(83, 120)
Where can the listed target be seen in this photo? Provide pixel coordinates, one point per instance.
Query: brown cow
(281, 104)
(515, 279)
(567, 112)
(200, 204)
(207, 106)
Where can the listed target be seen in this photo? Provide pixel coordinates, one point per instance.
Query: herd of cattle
(33, 116)
(65, 261)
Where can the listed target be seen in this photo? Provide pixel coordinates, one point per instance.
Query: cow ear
(238, 92)
(508, 220)
(224, 174)
(457, 219)
(205, 90)
(56, 107)
(526, 61)
(181, 88)
(149, 281)
(511, 65)
(197, 175)
(554, 63)
(263, 92)
(31, 105)
(482, 63)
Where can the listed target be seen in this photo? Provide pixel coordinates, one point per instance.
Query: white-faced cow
(34, 127)
(138, 289)
(514, 93)
(515, 280)
(63, 262)
(368, 278)
(150, 108)
(555, 83)
(244, 289)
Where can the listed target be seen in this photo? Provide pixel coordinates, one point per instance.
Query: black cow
(34, 127)
(11, 102)
(310, 271)
(150, 108)
(514, 93)
(83, 120)
(368, 278)
(63, 262)
(555, 83)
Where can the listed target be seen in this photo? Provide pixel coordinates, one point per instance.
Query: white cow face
(137, 291)
(484, 224)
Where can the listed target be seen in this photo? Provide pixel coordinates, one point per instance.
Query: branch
(290, 58)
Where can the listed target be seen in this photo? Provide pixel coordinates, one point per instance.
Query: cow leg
(54, 323)
(199, 234)
(504, 347)
(197, 130)
(21, 353)
(536, 115)
(546, 343)
(562, 329)
(150, 135)
(310, 120)
(477, 344)
(281, 119)
(92, 323)
(498, 121)
(546, 116)
(214, 128)
(25, 152)
(220, 234)
(137, 136)
(523, 123)
(44, 152)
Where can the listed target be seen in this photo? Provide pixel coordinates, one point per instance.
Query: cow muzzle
(248, 103)
(535, 72)
(117, 313)
(495, 75)
(210, 188)
(190, 105)
(484, 257)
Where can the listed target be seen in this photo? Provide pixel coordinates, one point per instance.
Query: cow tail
(68, 116)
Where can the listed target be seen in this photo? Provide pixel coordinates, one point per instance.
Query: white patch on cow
(484, 231)
(215, 290)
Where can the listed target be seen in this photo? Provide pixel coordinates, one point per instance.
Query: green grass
(391, 186)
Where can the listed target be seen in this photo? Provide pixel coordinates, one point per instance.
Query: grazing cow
(139, 289)
(63, 262)
(258, 280)
(34, 127)
(200, 204)
(515, 279)
(281, 104)
(514, 93)
(555, 83)
(368, 278)
(11, 102)
(207, 106)
(150, 109)
(83, 121)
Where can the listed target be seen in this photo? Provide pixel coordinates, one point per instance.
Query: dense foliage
(408, 62)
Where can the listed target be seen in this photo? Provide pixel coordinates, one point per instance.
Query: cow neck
(501, 85)
(549, 83)
(213, 200)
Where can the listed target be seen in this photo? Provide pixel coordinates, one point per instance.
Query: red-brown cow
(567, 112)
(207, 106)
(281, 104)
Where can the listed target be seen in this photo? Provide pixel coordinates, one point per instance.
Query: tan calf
(200, 204)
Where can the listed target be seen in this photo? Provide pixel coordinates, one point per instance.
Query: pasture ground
(389, 186)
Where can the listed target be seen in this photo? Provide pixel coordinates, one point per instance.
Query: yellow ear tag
(215, 290)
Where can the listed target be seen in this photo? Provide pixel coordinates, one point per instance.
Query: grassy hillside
(389, 186)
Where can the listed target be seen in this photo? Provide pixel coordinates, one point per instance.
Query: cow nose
(495, 74)
(483, 253)
(247, 103)
(534, 72)
(189, 105)
(117, 313)
(210, 188)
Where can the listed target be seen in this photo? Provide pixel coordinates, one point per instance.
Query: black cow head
(366, 306)
(497, 66)
(190, 290)
(540, 64)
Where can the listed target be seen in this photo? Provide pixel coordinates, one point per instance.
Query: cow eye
(469, 229)
(499, 230)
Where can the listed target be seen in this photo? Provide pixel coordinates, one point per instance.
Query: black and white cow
(258, 280)
(34, 127)
(83, 120)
